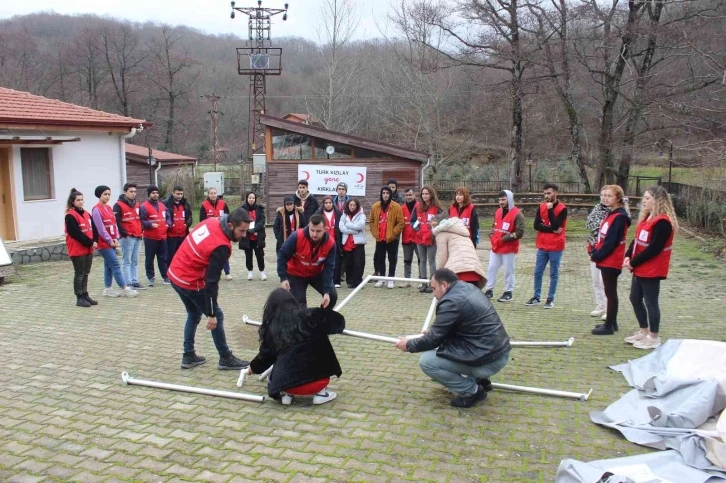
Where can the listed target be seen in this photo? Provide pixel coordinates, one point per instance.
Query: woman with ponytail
(81, 237)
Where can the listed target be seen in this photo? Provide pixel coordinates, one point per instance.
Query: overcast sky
(211, 16)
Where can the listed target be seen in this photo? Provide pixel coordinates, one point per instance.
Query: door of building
(7, 218)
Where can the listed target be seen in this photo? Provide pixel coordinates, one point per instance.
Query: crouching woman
(296, 341)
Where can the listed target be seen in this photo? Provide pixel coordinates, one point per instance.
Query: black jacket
(188, 219)
(312, 205)
(467, 328)
(282, 229)
(244, 243)
(614, 236)
(119, 214)
(74, 231)
(300, 350)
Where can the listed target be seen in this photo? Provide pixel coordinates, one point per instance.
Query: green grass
(707, 177)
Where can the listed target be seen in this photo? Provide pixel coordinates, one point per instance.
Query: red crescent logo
(360, 177)
(307, 175)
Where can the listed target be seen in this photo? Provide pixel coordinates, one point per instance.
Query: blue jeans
(451, 373)
(130, 248)
(194, 303)
(111, 268)
(554, 259)
(155, 248)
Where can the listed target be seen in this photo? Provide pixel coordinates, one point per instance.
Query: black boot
(81, 302)
(603, 329)
(615, 326)
(89, 299)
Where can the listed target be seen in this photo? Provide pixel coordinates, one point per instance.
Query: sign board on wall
(323, 179)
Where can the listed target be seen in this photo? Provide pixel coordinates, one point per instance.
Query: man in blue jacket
(467, 338)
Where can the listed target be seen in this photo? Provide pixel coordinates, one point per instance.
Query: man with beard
(155, 220)
(305, 203)
(181, 220)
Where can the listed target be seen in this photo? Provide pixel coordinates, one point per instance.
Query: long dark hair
(433, 199)
(247, 196)
(347, 206)
(280, 307)
(72, 198)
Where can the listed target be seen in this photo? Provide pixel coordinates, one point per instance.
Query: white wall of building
(94, 160)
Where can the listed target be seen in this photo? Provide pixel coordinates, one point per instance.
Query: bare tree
(125, 59)
(89, 65)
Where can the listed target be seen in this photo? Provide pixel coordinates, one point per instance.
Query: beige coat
(454, 249)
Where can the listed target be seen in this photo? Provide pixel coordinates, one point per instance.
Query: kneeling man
(466, 339)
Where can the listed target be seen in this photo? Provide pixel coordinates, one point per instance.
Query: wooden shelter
(140, 172)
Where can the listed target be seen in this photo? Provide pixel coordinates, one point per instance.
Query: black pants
(644, 293)
(610, 285)
(338, 271)
(355, 265)
(172, 245)
(299, 288)
(259, 254)
(379, 258)
(155, 248)
(81, 269)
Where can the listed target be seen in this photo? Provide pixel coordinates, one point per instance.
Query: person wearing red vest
(464, 209)
(408, 237)
(214, 207)
(507, 230)
(155, 222)
(195, 272)
(427, 209)
(254, 242)
(649, 257)
(550, 222)
(128, 222)
(105, 222)
(308, 258)
(181, 221)
(81, 236)
(331, 217)
(609, 253)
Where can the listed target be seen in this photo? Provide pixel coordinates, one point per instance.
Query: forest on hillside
(581, 89)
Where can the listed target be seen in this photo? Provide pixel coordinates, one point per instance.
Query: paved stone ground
(68, 417)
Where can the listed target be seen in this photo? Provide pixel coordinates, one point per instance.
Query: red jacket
(551, 242)
(179, 224)
(130, 220)
(189, 266)
(330, 223)
(158, 233)
(409, 234)
(214, 211)
(658, 266)
(504, 226)
(109, 223)
(308, 261)
(423, 235)
(617, 256)
(465, 215)
(73, 246)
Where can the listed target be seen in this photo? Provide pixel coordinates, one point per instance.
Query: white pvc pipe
(400, 279)
(566, 343)
(195, 390)
(430, 314)
(352, 294)
(266, 373)
(545, 392)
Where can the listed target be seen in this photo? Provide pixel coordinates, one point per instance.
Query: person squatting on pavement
(295, 340)
(466, 339)
(81, 237)
(308, 258)
(195, 273)
(507, 230)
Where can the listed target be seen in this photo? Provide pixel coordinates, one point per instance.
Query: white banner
(324, 179)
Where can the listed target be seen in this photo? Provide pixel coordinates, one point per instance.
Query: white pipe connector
(128, 380)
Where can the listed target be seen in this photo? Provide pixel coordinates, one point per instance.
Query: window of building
(325, 149)
(290, 145)
(36, 168)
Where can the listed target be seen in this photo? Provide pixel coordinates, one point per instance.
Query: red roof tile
(23, 108)
(136, 152)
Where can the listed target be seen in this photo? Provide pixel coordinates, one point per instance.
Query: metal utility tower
(214, 98)
(258, 60)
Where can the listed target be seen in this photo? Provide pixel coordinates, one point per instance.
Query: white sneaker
(286, 400)
(229, 276)
(129, 292)
(637, 337)
(250, 275)
(379, 284)
(263, 276)
(390, 284)
(337, 285)
(404, 284)
(598, 312)
(324, 396)
(604, 316)
(647, 343)
(109, 292)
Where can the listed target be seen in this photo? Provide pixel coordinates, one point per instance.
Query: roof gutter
(423, 170)
(156, 173)
(122, 151)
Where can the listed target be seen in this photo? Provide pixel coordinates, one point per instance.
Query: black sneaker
(485, 384)
(231, 363)
(506, 297)
(549, 304)
(603, 329)
(137, 286)
(82, 302)
(489, 294)
(469, 401)
(166, 281)
(615, 326)
(191, 359)
(532, 301)
(89, 299)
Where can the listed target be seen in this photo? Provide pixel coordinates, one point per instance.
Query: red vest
(464, 216)
(423, 235)
(189, 266)
(329, 223)
(178, 221)
(130, 220)
(615, 259)
(73, 246)
(309, 261)
(504, 226)
(656, 267)
(154, 216)
(214, 211)
(109, 223)
(409, 234)
(253, 216)
(551, 242)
